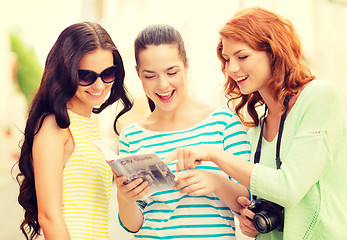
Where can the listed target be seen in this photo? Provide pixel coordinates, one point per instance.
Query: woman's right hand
(246, 225)
(129, 213)
(132, 191)
(190, 157)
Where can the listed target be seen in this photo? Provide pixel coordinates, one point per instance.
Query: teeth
(240, 78)
(95, 94)
(164, 94)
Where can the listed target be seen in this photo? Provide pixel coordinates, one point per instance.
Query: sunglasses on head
(88, 77)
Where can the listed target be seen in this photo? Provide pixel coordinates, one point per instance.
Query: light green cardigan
(312, 182)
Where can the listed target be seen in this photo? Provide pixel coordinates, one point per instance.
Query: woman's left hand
(196, 182)
(246, 225)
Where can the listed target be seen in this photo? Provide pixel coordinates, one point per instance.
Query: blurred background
(28, 30)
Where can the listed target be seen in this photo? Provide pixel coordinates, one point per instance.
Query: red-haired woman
(299, 144)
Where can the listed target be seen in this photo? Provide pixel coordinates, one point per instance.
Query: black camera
(268, 216)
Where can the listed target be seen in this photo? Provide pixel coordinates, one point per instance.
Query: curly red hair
(265, 31)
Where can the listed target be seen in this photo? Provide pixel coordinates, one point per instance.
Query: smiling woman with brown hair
(199, 207)
(65, 182)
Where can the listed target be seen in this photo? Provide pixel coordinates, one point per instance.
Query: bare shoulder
(50, 127)
(52, 143)
(147, 121)
(203, 110)
(50, 134)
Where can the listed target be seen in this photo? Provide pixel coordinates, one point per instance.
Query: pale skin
(251, 70)
(53, 147)
(163, 76)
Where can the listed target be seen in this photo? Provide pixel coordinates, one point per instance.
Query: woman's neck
(80, 110)
(187, 104)
(274, 109)
(187, 114)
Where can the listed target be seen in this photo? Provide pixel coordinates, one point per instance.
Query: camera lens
(263, 223)
(260, 224)
(268, 216)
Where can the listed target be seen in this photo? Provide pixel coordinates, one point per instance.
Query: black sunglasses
(88, 77)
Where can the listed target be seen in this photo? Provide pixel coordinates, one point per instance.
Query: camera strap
(279, 137)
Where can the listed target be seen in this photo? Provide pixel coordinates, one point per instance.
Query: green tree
(29, 71)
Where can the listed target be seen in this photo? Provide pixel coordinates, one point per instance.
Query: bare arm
(48, 155)
(197, 182)
(228, 192)
(235, 167)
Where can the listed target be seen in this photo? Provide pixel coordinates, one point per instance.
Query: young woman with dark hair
(65, 182)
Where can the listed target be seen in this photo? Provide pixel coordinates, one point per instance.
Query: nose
(163, 82)
(98, 84)
(232, 67)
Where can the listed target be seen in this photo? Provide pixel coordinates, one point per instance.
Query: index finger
(172, 157)
(184, 174)
(245, 202)
(248, 213)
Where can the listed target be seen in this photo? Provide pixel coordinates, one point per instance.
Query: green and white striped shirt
(170, 214)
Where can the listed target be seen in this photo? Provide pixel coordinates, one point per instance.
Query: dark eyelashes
(170, 74)
(241, 58)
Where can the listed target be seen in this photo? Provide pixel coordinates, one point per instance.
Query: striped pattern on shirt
(170, 214)
(87, 184)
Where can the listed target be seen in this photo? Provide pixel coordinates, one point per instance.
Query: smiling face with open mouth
(87, 97)
(249, 68)
(163, 75)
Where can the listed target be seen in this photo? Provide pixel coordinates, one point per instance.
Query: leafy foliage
(29, 70)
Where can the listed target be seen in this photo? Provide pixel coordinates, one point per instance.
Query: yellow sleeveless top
(87, 184)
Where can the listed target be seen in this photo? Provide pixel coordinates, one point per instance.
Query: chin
(245, 92)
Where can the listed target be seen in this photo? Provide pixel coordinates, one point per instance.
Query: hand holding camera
(268, 216)
(245, 217)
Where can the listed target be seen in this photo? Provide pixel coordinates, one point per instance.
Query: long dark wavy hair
(158, 34)
(58, 85)
(265, 31)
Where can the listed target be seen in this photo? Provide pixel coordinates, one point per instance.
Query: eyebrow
(238, 51)
(147, 71)
(235, 53)
(168, 69)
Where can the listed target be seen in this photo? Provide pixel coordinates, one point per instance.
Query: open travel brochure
(145, 165)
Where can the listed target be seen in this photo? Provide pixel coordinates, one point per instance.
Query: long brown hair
(58, 85)
(265, 31)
